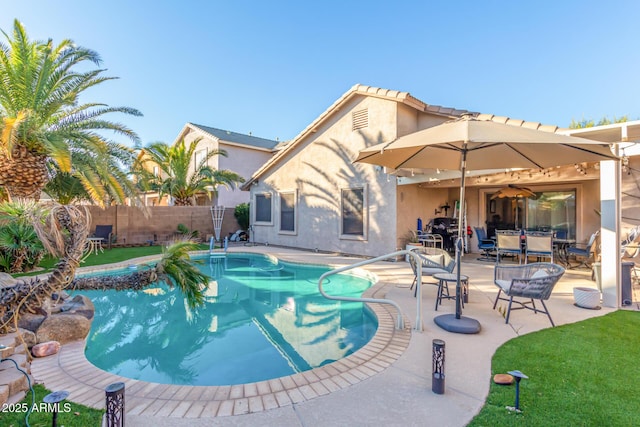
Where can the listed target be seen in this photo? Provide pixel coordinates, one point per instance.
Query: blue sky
(271, 67)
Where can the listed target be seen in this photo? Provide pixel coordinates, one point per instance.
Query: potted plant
(411, 242)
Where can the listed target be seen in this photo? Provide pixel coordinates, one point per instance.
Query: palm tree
(175, 178)
(44, 129)
(45, 132)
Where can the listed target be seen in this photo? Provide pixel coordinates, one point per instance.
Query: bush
(242, 215)
(20, 248)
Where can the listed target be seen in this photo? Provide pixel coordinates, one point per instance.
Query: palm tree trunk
(24, 175)
(29, 295)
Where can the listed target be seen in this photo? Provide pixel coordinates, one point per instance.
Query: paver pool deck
(388, 382)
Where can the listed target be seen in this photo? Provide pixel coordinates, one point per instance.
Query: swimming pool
(262, 319)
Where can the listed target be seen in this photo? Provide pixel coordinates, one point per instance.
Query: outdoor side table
(94, 244)
(443, 285)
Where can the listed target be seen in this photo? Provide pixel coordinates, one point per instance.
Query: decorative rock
(503, 379)
(28, 336)
(62, 295)
(63, 328)
(45, 349)
(30, 322)
(80, 304)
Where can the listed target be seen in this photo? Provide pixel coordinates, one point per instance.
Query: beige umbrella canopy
(487, 145)
(468, 143)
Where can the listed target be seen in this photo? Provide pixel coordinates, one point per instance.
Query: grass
(70, 414)
(579, 374)
(109, 256)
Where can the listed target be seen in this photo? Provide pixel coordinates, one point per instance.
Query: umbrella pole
(463, 171)
(457, 323)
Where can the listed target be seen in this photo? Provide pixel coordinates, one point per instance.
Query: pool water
(262, 319)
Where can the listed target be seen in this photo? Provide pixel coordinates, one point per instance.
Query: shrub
(242, 215)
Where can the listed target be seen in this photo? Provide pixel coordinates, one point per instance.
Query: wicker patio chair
(531, 282)
(434, 260)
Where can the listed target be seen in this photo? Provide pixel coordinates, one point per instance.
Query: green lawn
(70, 414)
(109, 256)
(581, 374)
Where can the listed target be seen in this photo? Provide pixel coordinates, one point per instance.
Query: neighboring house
(310, 195)
(245, 154)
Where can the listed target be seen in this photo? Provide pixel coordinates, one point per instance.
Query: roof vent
(360, 119)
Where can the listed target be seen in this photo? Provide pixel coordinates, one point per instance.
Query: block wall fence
(131, 226)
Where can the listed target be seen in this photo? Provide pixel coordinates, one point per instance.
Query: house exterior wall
(319, 168)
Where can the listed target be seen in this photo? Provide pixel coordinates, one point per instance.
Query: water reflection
(261, 320)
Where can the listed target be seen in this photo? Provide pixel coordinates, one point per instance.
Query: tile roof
(403, 97)
(238, 138)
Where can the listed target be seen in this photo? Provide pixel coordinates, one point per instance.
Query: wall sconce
(436, 211)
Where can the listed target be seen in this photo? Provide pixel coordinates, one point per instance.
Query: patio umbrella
(469, 143)
(514, 192)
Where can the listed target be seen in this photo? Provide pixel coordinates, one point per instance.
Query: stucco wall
(320, 168)
(132, 227)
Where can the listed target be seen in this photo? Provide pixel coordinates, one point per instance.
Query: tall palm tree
(176, 178)
(44, 128)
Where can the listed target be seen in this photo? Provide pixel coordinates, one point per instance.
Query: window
(288, 212)
(263, 208)
(353, 212)
(198, 157)
(553, 210)
(156, 171)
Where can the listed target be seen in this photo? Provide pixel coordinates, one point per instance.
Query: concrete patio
(386, 384)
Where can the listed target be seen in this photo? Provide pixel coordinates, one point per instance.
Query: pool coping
(70, 370)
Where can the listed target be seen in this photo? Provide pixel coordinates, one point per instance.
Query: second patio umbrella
(468, 143)
(514, 192)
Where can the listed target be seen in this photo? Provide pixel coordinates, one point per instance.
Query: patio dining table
(561, 246)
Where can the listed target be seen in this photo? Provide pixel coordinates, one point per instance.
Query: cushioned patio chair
(586, 254)
(486, 246)
(434, 260)
(538, 244)
(106, 233)
(508, 242)
(530, 282)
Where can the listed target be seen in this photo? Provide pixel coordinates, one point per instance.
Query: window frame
(293, 193)
(202, 153)
(268, 195)
(365, 213)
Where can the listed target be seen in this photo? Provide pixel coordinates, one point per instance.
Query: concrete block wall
(131, 226)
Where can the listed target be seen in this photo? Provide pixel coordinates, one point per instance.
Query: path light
(518, 376)
(115, 405)
(437, 380)
(55, 398)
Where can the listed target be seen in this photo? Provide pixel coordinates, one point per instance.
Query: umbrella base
(463, 325)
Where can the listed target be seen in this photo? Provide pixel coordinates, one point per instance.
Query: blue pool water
(262, 319)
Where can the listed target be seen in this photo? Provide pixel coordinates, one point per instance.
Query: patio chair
(539, 244)
(508, 242)
(485, 245)
(434, 260)
(533, 281)
(105, 232)
(586, 254)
